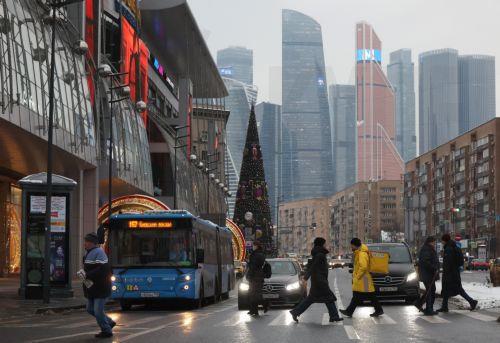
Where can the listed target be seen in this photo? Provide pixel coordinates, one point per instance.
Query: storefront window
(14, 230)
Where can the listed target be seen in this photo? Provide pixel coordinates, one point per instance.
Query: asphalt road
(222, 322)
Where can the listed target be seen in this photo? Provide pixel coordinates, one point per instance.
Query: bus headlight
(187, 277)
(244, 286)
(293, 286)
(113, 278)
(186, 287)
(412, 276)
(114, 288)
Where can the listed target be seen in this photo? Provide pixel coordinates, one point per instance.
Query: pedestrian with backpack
(428, 270)
(362, 282)
(256, 273)
(452, 283)
(320, 291)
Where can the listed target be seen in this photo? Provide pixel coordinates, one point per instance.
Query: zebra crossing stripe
(434, 319)
(237, 319)
(284, 319)
(477, 315)
(351, 332)
(383, 319)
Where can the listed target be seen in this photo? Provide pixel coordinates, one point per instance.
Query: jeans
(430, 293)
(462, 293)
(359, 297)
(95, 307)
(304, 305)
(255, 296)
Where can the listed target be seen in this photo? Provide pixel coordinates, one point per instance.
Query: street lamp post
(54, 5)
(177, 137)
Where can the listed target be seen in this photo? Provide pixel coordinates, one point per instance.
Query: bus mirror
(200, 256)
(100, 234)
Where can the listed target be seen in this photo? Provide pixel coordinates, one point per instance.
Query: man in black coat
(428, 269)
(452, 283)
(255, 277)
(320, 291)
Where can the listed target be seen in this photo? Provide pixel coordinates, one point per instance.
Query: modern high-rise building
(438, 98)
(476, 74)
(236, 63)
(307, 151)
(377, 155)
(400, 72)
(343, 113)
(269, 125)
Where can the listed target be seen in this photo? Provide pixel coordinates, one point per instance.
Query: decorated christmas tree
(252, 212)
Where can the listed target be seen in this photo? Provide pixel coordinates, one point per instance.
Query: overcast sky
(472, 27)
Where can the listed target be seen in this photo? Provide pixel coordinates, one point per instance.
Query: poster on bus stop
(58, 211)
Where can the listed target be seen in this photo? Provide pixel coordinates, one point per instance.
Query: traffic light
(455, 209)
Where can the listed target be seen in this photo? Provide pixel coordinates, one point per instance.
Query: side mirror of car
(200, 256)
(350, 270)
(101, 230)
(350, 265)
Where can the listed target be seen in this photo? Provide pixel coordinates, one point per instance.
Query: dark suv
(402, 281)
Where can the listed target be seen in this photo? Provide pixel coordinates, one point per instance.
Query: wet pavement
(222, 322)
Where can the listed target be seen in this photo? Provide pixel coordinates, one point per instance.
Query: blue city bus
(163, 255)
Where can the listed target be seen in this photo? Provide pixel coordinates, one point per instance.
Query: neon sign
(139, 224)
(161, 71)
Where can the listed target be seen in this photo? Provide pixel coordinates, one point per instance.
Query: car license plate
(150, 294)
(388, 289)
(270, 296)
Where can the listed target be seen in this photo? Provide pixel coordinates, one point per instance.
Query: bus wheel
(125, 306)
(225, 295)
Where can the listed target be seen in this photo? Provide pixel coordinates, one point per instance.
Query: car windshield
(480, 260)
(398, 253)
(283, 268)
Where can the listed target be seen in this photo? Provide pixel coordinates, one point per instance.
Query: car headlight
(244, 286)
(293, 286)
(412, 276)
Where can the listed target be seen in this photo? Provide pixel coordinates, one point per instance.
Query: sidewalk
(12, 305)
(487, 296)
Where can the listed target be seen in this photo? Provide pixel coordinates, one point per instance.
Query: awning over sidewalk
(172, 34)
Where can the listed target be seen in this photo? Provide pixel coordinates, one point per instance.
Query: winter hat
(356, 242)
(92, 237)
(319, 241)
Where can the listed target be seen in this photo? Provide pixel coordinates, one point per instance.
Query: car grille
(272, 287)
(388, 280)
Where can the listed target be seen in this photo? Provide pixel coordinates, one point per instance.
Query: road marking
(383, 319)
(24, 325)
(351, 332)
(142, 333)
(237, 319)
(284, 319)
(326, 320)
(476, 315)
(337, 292)
(77, 325)
(434, 319)
(139, 321)
(61, 337)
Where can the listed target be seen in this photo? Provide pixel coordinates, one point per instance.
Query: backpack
(266, 269)
(379, 262)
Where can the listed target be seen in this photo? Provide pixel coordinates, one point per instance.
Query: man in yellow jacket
(362, 283)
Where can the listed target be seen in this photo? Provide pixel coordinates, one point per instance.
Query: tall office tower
(400, 72)
(275, 83)
(438, 98)
(377, 155)
(307, 151)
(240, 100)
(236, 63)
(476, 74)
(269, 124)
(343, 113)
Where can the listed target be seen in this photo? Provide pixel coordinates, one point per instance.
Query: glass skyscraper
(343, 112)
(400, 72)
(269, 125)
(476, 90)
(307, 151)
(236, 63)
(438, 98)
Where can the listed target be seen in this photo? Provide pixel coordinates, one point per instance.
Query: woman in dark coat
(428, 271)
(255, 277)
(452, 283)
(320, 291)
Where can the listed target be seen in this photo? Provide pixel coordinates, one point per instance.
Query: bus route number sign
(139, 224)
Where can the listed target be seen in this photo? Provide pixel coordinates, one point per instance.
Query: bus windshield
(151, 248)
